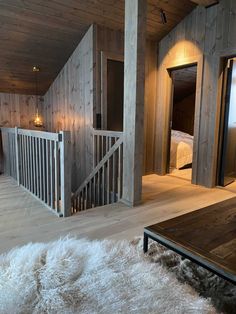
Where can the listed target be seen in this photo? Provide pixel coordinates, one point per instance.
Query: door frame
(104, 57)
(220, 57)
(224, 60)
(183, 63)
(171, 110)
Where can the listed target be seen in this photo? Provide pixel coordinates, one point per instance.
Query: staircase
(104, 185)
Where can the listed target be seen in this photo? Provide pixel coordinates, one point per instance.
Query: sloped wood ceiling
(45, 33)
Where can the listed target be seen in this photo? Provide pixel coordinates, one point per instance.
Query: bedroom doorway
(181, 133)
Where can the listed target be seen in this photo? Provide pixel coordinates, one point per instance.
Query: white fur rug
(79, 276)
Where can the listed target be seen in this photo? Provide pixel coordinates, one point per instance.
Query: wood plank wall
(74, 98)
(207, 33)
(150, 107)
(112, 41)
(69, 106)
(18, 110)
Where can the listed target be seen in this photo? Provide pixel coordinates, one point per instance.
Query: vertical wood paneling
(69, 106)
(203, 33)
(73, 99)
(134, 90)
(18, 110)
(111, 41)
(150, 106)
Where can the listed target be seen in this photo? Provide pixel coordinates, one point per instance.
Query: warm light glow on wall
(38, 121)
(180, 51)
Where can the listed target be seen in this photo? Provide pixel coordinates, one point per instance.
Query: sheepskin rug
(221, 293)
(80, 276)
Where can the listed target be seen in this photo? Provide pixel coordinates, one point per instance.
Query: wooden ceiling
(45, 33)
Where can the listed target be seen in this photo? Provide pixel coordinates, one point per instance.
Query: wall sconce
(38, 121)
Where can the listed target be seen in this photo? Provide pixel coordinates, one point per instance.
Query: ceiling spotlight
(163, 17)
(35, 69)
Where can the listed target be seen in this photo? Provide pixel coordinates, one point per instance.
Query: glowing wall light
(38, 121)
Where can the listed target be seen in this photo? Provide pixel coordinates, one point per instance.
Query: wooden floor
(24, 219)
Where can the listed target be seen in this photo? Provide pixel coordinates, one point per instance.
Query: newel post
(65, 172)
(134, 81)
(17, 156)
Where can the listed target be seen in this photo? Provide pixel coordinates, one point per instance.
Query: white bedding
(181, 150)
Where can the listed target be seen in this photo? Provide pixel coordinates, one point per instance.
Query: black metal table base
(146, 236)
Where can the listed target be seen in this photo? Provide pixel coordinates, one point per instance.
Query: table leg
(145, 242)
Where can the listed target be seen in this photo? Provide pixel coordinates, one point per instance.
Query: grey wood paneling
(18, 110)
(150, 107)
(111, 41)
(134, 90)
(69, 106)
(207, 34)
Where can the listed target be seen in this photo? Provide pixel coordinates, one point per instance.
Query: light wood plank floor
(24, 219)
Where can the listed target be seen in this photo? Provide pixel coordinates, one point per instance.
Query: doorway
(182, 113)
(227, 150)
(112, 91)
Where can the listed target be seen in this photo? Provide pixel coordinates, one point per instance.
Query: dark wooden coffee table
(206, 236)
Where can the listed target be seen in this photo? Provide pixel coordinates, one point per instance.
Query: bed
(181, 150)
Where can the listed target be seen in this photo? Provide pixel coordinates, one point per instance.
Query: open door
(182, 118)
(112, 91)
(227, 164)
